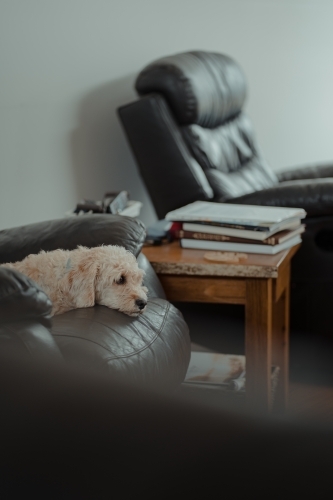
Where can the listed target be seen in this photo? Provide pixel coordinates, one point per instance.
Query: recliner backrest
(200, 87)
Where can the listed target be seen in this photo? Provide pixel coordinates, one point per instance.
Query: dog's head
(119, 281)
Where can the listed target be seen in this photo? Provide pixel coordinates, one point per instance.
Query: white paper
(234, 214)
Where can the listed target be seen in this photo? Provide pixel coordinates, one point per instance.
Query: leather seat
(193, 141)
(151, 350)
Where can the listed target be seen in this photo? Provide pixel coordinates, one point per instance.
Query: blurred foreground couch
(77, 434)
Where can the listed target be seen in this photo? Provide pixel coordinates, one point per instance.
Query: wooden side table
(262, 284)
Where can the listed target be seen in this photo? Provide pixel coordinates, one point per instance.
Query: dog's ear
(82, 281)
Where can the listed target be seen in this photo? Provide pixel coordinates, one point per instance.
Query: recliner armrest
(308, 172)
(314, 196)
(86, 230)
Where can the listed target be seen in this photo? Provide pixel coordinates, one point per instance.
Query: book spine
(179, 234)
(230, 225)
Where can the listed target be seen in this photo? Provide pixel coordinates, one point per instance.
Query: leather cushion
(201, 87)
(25, 318)
(251, 178)
(21, 298)
(153, 349)
(29, 339)
(230, 157)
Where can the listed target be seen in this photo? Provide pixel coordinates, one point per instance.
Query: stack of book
(236, 228)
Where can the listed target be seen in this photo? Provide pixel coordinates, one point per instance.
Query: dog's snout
(141, 303)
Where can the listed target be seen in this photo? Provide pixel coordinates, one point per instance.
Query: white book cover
(227, 246)
(251, 215)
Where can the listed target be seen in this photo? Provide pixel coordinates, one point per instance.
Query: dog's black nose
(141, 303)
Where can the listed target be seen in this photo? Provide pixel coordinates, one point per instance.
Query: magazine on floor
(220, 371)
(213, 369)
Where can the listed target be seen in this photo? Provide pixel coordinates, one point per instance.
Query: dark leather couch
(193, 141)
(73, 435)
(152, 350)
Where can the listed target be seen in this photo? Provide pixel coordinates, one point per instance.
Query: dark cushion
(153, 349)
(200, 87)
(249, 179)
(67, 233)
(21, 298)
(25, 318)
(230, 157)
(316, 171)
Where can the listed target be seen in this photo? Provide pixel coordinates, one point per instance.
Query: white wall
(66, 65)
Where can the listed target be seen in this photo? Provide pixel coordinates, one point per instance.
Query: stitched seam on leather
(79, 338)
(208, 68)
(147, 345)
(94, 322)
(107, 349)
(98, 323)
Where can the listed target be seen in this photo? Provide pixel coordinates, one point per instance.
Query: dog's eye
(121, 281)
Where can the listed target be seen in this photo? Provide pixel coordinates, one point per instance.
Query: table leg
(258, 343)
(280, 347)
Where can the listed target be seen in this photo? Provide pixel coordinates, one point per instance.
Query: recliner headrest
(200, 87)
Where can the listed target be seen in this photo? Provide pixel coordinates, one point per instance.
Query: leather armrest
(314, 196)
(21, 298)
(308, 172)
(25, 318)
(151, 350)
(151, 280)
(68, 233)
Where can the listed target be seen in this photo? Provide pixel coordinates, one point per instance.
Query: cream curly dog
(106, 275)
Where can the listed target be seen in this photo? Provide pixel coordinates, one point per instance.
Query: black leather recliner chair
(152, 350)
(193, 141)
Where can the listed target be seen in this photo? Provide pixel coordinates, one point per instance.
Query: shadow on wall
(101, 157)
